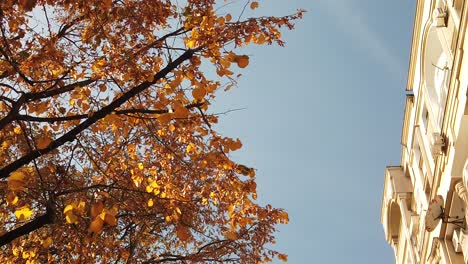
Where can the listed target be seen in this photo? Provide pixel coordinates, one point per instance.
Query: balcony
(396, 197)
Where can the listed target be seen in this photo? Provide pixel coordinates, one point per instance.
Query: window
(425, 117)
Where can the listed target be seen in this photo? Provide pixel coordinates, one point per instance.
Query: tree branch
(83, 116)
(35, 224)
(71, 135)
(13, 112)
(50, 93)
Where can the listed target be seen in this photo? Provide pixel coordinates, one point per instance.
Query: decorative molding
(434, 256)
(440, 16)
(461, 190)
(415, 44)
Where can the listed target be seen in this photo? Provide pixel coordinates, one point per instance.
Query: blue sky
(322, 120)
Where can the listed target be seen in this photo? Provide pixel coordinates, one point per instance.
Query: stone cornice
(415, 44)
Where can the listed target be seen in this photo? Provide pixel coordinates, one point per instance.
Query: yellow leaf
(161, 132)
(17, 130)
(17, 176)
(149, 189)
(47, 242)
(68, 208)
(81, 206)
(6, 144)
(102, 215)
(254, 5)
(140, 166)
(98, 65)
(23, 213)
(43, 142)
(71, 218)
(55, 72)
(190, 147)
(168, 218)
(25, 255)
(12, 199)
(16, 251)
(163, 195)
(16, 181)
(191, 44)
(150, 203)
(171, 127)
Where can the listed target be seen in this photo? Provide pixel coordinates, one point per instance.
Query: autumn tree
(108, 152)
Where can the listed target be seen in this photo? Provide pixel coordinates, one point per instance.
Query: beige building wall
(434, 143)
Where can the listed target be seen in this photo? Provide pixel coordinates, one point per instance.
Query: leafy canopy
(107, 148)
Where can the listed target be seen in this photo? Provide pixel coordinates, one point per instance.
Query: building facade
(425, 198)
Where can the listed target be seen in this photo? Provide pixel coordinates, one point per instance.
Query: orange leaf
(242, 61)
(96, 209)
(110, 219)
(199, 93)
(107, 4)
(283, 257)
(96, 226)
(43, 142)
(27, 5)
(231, 235)
(180, 111)
(183, 233)
(254, 5)
(165, 118)
(12, 199)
